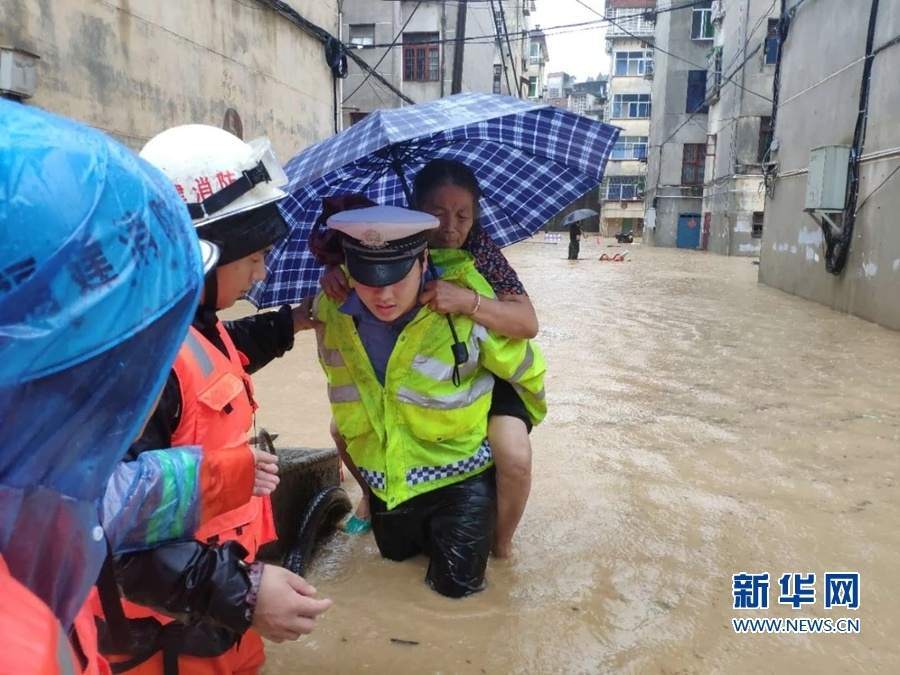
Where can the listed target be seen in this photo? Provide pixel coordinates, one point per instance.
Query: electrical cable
(386, 52)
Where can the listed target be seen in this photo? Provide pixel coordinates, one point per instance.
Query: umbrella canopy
(579, 215)
(531, 160)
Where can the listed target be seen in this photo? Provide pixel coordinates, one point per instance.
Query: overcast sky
(580, 53)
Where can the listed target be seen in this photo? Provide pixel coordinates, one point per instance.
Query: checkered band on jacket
(375, 479)
(424, 474)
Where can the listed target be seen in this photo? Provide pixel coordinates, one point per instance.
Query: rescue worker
(215, 585)
(410, 391)
(99, 270)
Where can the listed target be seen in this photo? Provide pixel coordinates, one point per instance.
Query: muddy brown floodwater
(700, 425)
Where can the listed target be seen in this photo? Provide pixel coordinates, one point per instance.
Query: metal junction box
(18, 72)
(826, 182)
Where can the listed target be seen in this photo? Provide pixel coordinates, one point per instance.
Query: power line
(386, 52)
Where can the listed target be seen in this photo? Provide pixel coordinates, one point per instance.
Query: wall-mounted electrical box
(826, 181)
(18, 72)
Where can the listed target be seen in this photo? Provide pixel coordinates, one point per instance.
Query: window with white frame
(701, 22)
(631, 106)
(532, 87)
(623, 188)
(632, 63)
(630, 147)
(362, 34)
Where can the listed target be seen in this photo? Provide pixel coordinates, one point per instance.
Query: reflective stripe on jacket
(420, 432)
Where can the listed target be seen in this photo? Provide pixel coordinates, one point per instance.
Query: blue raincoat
(100, 275)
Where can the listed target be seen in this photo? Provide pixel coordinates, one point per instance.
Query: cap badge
(373, 239)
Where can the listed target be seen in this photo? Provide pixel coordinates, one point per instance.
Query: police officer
(410, 392)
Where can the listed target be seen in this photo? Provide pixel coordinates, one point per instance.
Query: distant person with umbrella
(575, 231)
(574, 241)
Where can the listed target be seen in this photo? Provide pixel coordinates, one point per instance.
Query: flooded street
(700, 425)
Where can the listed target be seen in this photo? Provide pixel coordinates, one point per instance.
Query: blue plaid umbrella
(531, 160)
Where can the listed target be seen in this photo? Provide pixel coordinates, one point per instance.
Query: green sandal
(357, 525)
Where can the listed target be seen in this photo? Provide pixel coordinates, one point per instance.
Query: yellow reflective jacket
(419, 431)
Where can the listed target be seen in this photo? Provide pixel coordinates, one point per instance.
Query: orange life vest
(217, 413)
(34, 642)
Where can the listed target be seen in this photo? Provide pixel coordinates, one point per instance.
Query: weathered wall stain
(135, 67)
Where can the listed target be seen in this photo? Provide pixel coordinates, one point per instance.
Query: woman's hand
(266, 477)
(302, 316)
(335, 284)
(446, 298)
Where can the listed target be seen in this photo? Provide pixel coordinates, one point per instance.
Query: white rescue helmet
(215, 172)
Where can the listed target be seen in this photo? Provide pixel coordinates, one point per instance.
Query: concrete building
(421, 65)
(740, 84)
(135, 67)
(537, 59)
(629, 107)
(676, 156)
(819, 106)
(559, 85)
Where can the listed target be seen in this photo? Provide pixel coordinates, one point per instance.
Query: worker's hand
(335, 284)
(446, 298)
(266, 477)
(302, 315)
(286, 606)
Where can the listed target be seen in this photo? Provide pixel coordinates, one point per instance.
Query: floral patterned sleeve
(492, 264)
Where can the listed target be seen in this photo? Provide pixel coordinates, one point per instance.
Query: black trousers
(453, 525)
(574, 248)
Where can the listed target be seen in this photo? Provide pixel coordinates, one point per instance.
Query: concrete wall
(734, 188)
(136, 67)
(669, 89)
(816, 111)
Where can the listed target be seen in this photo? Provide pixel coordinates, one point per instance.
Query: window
(630, 147)
(696, 92)
(632, 63)
(356, 117)
(362, 34)
(758, 217)
(532, 87)
(623, 188)
(765, 138)
(693, 159)
(773, 43)
(498, 72)
(421, 58)
(701, 23)
(631, 105)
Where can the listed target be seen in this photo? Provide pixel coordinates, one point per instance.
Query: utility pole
(458, 51)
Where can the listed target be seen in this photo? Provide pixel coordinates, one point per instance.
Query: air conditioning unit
(18, 72)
